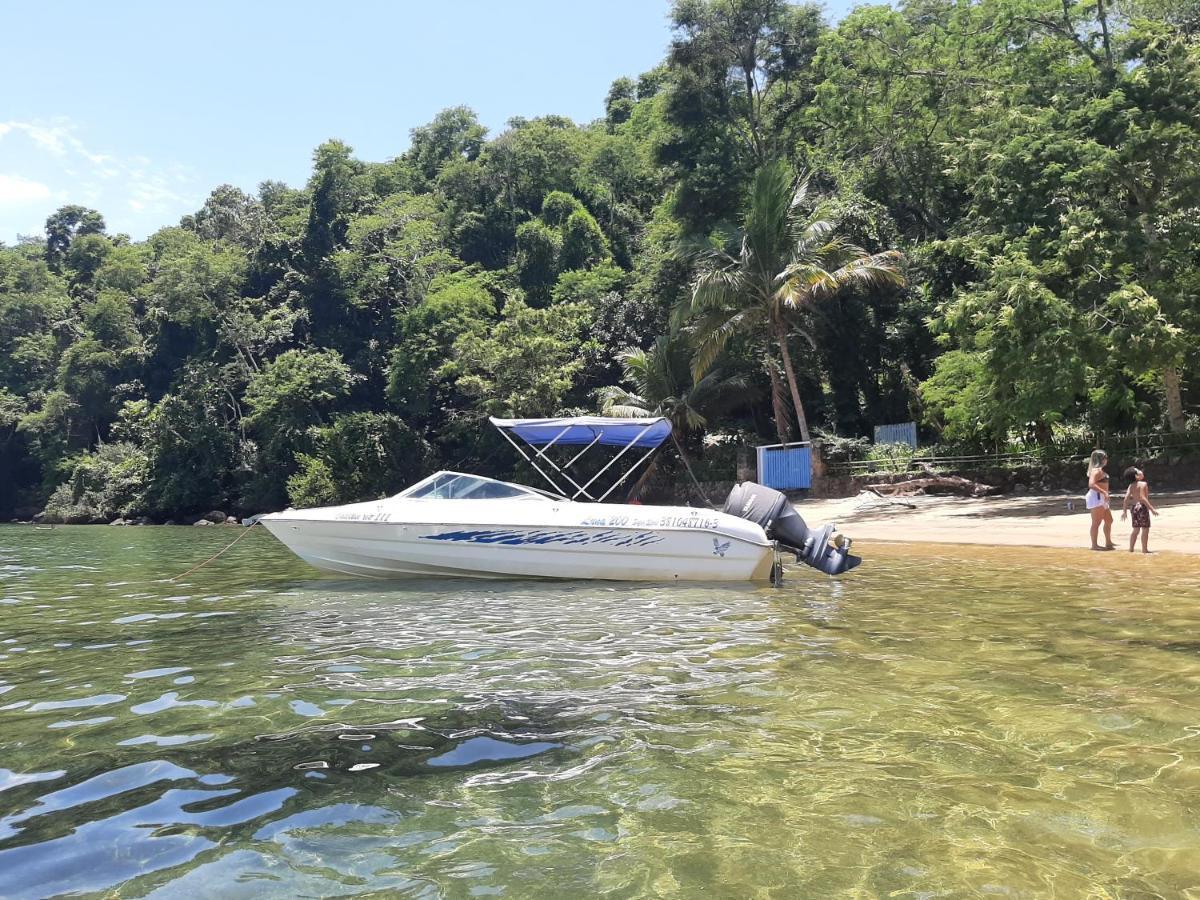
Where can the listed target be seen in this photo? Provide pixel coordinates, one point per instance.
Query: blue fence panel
(785, 468)
(904, 433)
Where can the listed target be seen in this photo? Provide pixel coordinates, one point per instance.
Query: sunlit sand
(1033, 521)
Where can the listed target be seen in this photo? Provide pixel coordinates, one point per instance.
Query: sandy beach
(1031, 521)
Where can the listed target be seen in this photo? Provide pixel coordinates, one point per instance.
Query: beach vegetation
(982, 217)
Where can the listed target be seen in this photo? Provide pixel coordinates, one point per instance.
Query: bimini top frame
(539, 435)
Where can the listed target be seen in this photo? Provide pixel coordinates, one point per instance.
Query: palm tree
(788, 260)
(660, 382)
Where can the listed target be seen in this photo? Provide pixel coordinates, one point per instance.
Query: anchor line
(215, 555)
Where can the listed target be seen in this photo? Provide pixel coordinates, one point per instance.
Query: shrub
(313, 483)
(358, 457)
(102, 485)
(895, 457)
(836, 449)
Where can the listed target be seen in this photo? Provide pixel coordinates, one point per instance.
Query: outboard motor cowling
(821, 548)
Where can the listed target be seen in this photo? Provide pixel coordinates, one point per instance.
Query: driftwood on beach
(934, 484)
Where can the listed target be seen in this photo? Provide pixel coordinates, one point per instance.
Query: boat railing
(534, 439)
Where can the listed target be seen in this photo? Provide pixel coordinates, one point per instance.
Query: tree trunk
(934, 484)
(687, 465)
(781, 334)
(1102, 15)
(1174, 392)
(777, 404)
(635, 492)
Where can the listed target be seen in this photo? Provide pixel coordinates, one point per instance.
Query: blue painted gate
(785, 467)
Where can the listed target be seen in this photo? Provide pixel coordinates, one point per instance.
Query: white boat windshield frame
(540, 435)
(447, 485)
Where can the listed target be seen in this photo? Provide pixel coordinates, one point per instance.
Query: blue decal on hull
(568, 538)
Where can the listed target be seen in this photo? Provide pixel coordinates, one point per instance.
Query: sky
(139, 109)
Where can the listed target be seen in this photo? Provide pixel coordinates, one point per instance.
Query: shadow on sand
(1039, 507)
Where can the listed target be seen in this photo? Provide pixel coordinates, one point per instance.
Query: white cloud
(18, 191)
(55, 136)
(134, 192)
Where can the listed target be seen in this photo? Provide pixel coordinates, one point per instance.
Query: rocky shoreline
(216, 517)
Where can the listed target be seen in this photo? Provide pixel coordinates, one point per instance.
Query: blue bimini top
(644, 433)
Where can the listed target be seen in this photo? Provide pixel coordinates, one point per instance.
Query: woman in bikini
(1097, 500)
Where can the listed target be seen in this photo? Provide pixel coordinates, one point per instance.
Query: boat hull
(691, 552)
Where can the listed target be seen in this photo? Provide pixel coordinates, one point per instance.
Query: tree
(88, 374)
(1086, 184)
(109, 482)
(530, 160)
(739, 69)
(618, 105)
(895, 87)
(195, 283)
(537, 259)
(1025, 339)
(335, 197)
(194, 442)
(359, 456)
(394, 251)
(786, 261)
(229, 214)
(523, 365)
(425, 335)
(583, 243)
(660, 384)
(64, 225)
(294, 392)
(454, 133)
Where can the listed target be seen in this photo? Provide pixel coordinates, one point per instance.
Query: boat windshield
(456, 486)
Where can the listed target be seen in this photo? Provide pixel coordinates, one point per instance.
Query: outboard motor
(770, 509)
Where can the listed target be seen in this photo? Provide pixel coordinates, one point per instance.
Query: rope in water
(215, 555)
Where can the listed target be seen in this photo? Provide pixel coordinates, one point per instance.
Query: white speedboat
(464, 525)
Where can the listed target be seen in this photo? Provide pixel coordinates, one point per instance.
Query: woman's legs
(1097, 517)
(1108, 520)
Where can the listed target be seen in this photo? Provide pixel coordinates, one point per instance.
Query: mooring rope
(215, 555)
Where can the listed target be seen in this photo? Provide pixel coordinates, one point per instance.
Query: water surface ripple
(942, 722)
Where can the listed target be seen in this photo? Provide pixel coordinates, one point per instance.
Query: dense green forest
(983, 215)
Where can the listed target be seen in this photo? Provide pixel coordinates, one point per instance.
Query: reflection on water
(944, 721)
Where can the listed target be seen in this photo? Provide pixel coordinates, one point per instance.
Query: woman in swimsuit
(1097, 500)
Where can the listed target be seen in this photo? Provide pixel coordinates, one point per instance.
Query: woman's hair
(1131, 473)
(1099, 458)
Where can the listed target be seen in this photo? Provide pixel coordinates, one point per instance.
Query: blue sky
(139, 109)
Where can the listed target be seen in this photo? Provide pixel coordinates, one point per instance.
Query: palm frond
(871, 272)
(711, 339)
(716, 392)
(630, 412)
(616, 401)
(813, 236)
(717, 286)
(804, 333)
(802, 282)
(635, 366)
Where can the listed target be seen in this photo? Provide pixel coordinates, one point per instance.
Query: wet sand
(1031, 521)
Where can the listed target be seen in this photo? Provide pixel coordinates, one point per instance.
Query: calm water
(943, 722)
